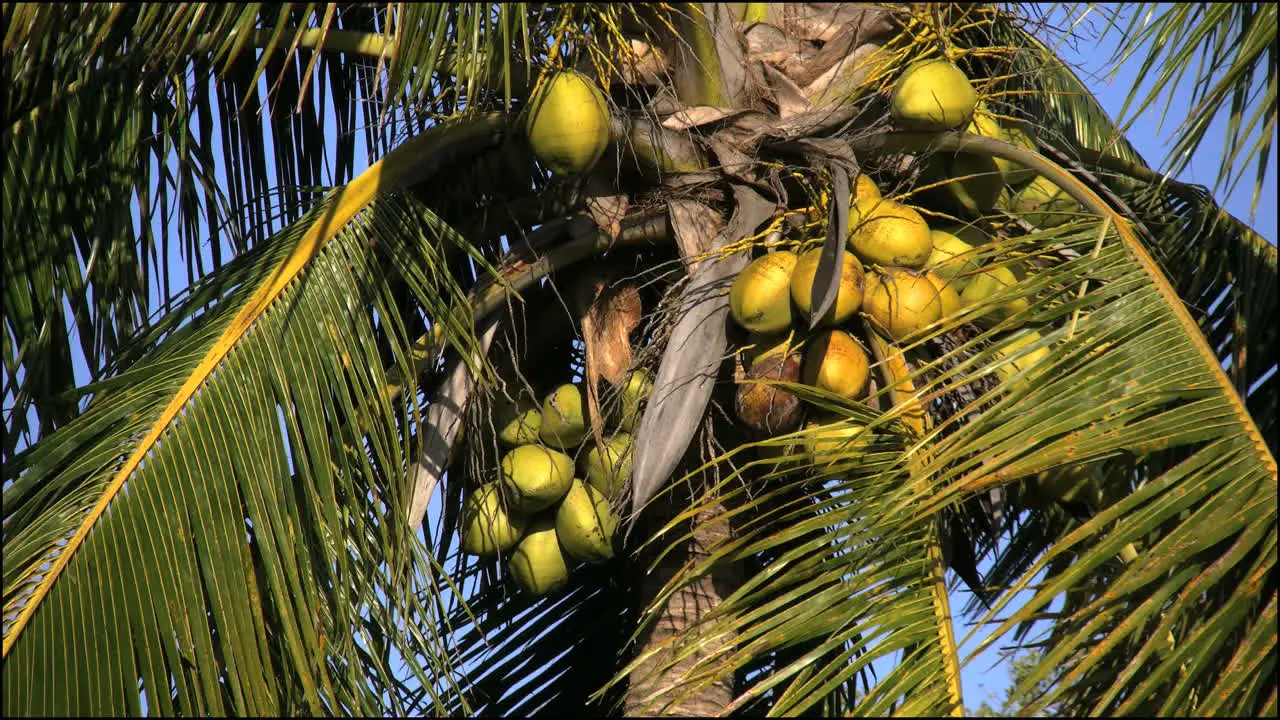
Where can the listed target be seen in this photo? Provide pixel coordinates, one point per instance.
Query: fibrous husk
(765, 408)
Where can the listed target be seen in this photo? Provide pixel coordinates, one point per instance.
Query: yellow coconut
(947, 295)
(864, 187)
(538, 564)
(568, 123)
(1024, 362)
(836, 362)
(834, 440)
(564, 420)
(608, 472)
(535, 477)
(848, 298)
(988, 282)
(517, 422)
(760, 297)
(487, 528)
(886, 232)
(585, 524)
(636, 386)
(933, 95)
(902, 302)
(1044, 204)
(948, 259)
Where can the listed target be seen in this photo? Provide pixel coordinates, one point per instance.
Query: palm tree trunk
(657, 692)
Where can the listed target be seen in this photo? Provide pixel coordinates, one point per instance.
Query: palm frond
(264, 489)
(199, 111)
(1209, 255)
(1233, 50)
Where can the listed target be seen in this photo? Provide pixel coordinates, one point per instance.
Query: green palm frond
(167, 86)
(1232, 49)
(1209, 255)
(264, 485)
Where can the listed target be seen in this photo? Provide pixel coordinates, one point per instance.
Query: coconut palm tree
(253, 503)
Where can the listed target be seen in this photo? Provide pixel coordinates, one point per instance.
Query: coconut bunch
(895, 274)
(898, 276)
(551, 503)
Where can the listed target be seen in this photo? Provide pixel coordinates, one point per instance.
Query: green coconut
(568, 123)
(564, 421)
(517, 422)
(946, 260)
(848, 297)
(636, 386)
(886, 232)
(988, 282)
(1044, 204)
(986, 125)
(609, 471)
(1008, 371)
(971, 233)
(976, 183)
(585, 524)
(760, 297)
(535, 477)
(487, 528)
(538, 564)
(933, 95)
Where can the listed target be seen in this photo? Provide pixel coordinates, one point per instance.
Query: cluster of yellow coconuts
(899, 273)
(537, 512)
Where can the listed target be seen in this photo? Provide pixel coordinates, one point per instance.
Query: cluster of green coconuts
(545, 509)
(902, 275)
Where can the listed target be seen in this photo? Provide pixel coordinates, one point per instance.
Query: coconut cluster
(904, 277)
(546, 510)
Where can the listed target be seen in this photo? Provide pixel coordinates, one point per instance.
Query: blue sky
(980, 682)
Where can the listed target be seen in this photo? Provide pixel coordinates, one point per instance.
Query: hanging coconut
(535, 477)
(943, 259)
(888, 233)
(517, 422)
(947, 295)
(848, 298)
(901, 302)
(1010, 370)
(760, 297)
(538, 564)
(933, 95)
(607, 472)
(988, 282)
(834, 361)
(1044, 204)
(487, 528)
(564, 422)
(764, 408)
(829, 442)
(585, 524)
(567, 122)
(636, 386)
